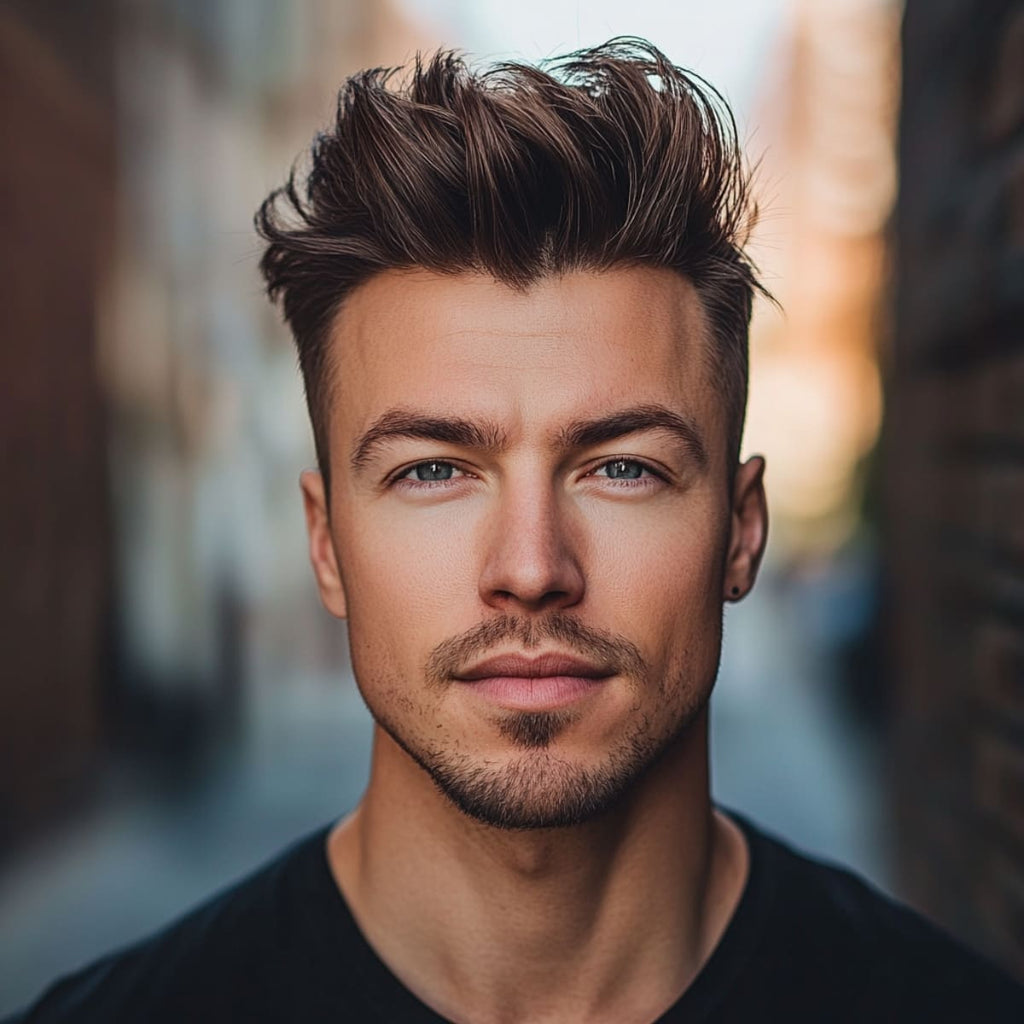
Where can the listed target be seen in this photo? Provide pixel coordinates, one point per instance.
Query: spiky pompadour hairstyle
(606, 157)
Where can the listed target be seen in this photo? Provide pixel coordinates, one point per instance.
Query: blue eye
(431, 472)
(624, 469)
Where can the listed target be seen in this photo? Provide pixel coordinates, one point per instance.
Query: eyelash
(401, 478)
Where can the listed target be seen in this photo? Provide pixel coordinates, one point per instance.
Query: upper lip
(519, 666)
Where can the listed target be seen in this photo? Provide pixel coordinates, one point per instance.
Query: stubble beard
(541, 789)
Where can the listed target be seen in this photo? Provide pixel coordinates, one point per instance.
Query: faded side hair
(610, 156)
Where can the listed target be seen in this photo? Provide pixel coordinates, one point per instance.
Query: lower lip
(542, 693)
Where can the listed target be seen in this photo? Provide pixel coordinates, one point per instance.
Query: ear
(322, 555)
(748, 530)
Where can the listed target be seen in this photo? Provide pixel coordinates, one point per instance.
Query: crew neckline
(371, 980)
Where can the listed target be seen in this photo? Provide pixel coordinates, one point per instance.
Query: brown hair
(609, 156)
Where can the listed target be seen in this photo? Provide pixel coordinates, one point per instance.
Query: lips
(518, 683)
(518, 666)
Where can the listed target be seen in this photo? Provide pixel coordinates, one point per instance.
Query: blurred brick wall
(56, 184)
(954, 446)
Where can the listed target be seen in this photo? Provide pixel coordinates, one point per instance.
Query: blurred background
(175, 706)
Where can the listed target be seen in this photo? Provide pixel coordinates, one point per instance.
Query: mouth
(541, 683)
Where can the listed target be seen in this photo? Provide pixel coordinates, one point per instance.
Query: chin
(537, 790)
(542, 786)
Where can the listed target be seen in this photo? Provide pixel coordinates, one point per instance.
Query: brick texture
(953, 447)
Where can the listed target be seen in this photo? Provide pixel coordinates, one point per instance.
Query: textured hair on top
(606, 157)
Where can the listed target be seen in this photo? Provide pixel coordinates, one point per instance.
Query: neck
(609, 920)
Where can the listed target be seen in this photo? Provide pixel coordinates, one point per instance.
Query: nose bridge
(531, 557)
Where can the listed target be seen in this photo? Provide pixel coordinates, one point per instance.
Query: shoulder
(224, 960)
(891, 962)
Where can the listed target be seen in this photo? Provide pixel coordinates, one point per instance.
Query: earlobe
(322, 554)
(748, 529)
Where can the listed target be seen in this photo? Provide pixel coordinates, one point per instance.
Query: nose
(531, 562)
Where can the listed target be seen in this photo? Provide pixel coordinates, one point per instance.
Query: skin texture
(529, 535)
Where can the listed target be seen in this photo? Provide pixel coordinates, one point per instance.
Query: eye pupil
(434, 471)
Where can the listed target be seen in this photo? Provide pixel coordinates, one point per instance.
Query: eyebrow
(640, 419)
(406, 423)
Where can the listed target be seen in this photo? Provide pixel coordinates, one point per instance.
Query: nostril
(530, 602)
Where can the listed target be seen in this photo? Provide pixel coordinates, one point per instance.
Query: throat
(620, 912)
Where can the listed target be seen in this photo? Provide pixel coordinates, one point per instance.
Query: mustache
(454, 654)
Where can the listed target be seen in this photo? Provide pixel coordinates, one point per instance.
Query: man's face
(530, 528)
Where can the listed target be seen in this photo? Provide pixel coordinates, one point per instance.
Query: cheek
(660, 580)
(408, 576)
(675, 548)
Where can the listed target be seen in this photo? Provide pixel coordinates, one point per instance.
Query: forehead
(583, 342)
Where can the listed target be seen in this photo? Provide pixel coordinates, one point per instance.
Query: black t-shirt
(808, 942)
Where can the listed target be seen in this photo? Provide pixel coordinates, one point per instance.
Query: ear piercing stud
(735, 591)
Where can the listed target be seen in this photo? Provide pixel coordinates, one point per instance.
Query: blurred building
(826, 173)
(954, 455)
(152, 563)
(217, 100)
(56, 199)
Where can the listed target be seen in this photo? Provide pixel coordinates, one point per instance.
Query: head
(521, 307)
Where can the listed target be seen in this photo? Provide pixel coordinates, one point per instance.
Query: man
(521, 306)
